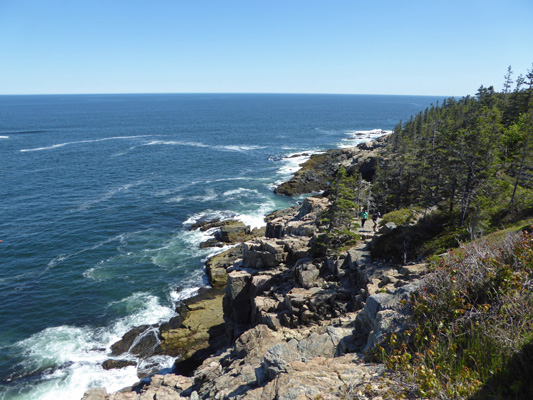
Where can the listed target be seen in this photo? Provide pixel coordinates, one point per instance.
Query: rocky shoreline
(280, 323)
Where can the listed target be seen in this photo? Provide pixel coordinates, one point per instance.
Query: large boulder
(263, 254)
(217, 265)
(117, 364)
(142, 341)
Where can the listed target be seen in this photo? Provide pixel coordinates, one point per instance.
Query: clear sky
(425, 47)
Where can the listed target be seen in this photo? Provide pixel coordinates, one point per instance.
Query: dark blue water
(97, 194)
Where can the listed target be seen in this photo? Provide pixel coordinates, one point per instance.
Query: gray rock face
(306, 273)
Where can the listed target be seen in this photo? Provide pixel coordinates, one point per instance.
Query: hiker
(364, 216)
(375, 217)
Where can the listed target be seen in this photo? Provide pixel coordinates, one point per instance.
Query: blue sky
(417, 47)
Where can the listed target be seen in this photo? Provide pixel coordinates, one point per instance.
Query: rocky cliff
(295, 326)
(316, 173)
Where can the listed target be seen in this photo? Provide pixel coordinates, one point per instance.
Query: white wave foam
(76, 353)
(183, 294)
(4, 137)
(292, 162)
(177, 199)
(238, 148)
(142, 309)
(240, 192)
(256, 218)
(358, 136)
(241, 148)
(175, 143)
(208, 215)
(55, 146)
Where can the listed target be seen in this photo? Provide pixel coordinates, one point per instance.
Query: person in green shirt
(364, 217)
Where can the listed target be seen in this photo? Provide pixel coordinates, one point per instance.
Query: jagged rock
(141, 340)
(147, 343)
(299, 221)
(233, 232)
(263, 254)
(306, 273)
(319, 378)
(384, 323)
(211, 243)
(177, 382)
(387, 228)
(297, 248)
(238, 295)
(237, 303)
(217, 265)
(117, 364)
(255, 342)
(279, 357)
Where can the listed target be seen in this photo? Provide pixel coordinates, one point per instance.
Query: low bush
(401, 217)
(471, 326)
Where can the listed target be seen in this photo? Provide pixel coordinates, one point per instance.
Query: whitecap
(177, 199)
(175, 143)
(55, 146)
(238, 148)
(241, 148)
(4, 137)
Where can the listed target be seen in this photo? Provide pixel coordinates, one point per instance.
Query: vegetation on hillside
(471, 326)
(472, 157)
(468, 161)
(337, 225)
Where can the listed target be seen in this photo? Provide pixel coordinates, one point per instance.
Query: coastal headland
(280, 322)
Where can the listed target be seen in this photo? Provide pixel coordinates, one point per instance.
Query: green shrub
(471, 326)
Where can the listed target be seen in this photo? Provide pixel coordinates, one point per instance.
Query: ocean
(97, 196)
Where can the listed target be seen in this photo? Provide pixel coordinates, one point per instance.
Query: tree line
(471, 158)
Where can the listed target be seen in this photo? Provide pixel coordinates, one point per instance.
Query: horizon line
(220, 93)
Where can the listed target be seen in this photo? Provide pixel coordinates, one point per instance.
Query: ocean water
(97, 196)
